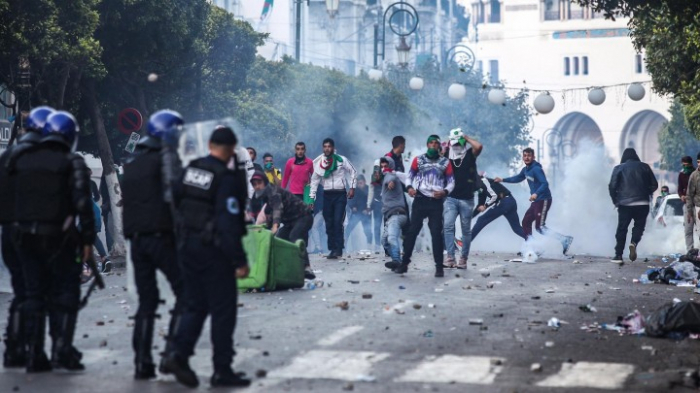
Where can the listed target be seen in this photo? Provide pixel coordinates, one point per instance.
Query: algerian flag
(267, 9)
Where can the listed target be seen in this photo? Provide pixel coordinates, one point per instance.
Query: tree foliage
(676, 140)
(668, 31)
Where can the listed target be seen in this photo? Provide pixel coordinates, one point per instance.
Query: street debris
(549, 344)
(261, 373)
(556, 323)
(343, 305)
(417, 306)
(551, 290)
(536, 367)
(428, 334)
(476, 321)
(587, 308)
(366, 295)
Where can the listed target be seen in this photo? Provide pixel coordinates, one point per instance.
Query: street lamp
(402, 52)
(403, 21)
(332, 7)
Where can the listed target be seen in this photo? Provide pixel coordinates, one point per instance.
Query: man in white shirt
(332, 171)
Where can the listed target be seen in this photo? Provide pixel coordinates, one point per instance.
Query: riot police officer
(211, 206)
(52, 191)
(15, 346)
(148, 223)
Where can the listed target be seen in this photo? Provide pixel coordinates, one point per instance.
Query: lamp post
(403, 21)
(297, 32)
(462, 56)
(332, 7)
(402, 52)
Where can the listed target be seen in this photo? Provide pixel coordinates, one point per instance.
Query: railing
(552, 15)
(575, 14)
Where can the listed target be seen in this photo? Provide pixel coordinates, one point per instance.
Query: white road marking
(322, 364)
(339, 335)
(590, 375)
(451, 368)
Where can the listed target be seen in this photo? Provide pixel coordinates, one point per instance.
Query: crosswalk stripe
(324, 364)
(590, 375)
(339, 335)
(455, 369)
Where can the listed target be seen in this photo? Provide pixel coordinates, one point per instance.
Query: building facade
(566, 49)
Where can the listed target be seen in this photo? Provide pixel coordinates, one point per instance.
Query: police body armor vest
(199, 186)
(145, 211)
(7, 190)
(43, 184)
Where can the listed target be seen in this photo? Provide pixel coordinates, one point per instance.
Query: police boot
(63, 355)
(225, 377)
(172, 363)
(15, 346)
(141, 342)
(173, 327)
(37, 361)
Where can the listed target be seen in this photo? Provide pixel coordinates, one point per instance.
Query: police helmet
(165, 124)
(37, 118)
(62, 127)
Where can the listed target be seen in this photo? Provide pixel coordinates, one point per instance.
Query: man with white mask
(461, 200)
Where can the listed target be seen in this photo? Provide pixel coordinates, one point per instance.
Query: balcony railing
(575, 14)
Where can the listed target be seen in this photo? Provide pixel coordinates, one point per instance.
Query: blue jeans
(392, 235)
(463, 209)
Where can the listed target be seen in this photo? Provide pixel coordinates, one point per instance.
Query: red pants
(537, 213)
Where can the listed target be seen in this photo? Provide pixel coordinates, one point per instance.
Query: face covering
(432, 153)
(664, 193)
(687, 170)
(258, 193)
(268, 166)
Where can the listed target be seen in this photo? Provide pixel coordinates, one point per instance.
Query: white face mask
(258, 193)
(457, 149)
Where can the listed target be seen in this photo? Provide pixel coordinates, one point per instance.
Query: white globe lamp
(416, 83)
(457, 91)
(497, 97)
(596, 96)
(374, 74)
(544, 103)
(636, 91)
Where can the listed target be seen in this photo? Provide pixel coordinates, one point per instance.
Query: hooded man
(683, 177)
(631, 185)
(460, 202)
(338, 177)
(394, 207)
(430, 179)
(540, 197)
(283, 207)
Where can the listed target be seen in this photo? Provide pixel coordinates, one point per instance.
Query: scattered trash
(549, 344)
(428, 333)
(556, 323)
(476, 321)
(674, 320)
(431, 305)
(417, 306)
(103, 343)
(366, 295)
(549, 291)
(402, 287)
(439, 289)
(536, 298)
(485, 274)
(261, 373)
(400, 312)
(587, 308)
(343, 305)
(255, 337)
(536, 367)
(100, 323)
(353, 281)
(576, 262)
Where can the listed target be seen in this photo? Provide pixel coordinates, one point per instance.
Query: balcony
(552, 15)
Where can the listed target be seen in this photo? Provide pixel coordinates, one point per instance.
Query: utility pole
(297, 38)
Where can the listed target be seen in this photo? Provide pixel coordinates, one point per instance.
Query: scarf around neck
(299, 160)
(330, 164)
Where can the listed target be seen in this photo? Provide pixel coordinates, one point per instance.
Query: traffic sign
(133, 140)
(129, 120)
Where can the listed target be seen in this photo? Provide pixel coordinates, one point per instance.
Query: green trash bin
(274, 263)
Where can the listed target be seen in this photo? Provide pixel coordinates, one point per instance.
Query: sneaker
(633, 252)
(106, 266)
(449, 262)
(439, 272)
(617, 259)
(392, 265)
(462, 263)
(309, 274)
(567, 243)
(402, 268)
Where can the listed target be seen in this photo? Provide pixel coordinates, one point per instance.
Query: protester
(253, 155)
(337, 175)
(374, 203)
(689, 221)
(398, 146)
(283, 208)
(298, 171)
(495, 200)
(212, 258)
(318, 230)
(657, 204)
(104, 264)
(106, 211)
(541, 199)
(359, 212)
(692, 196)
(274, 176)
(430, 179)
(631, 186)
(460, 201)
(394, 208)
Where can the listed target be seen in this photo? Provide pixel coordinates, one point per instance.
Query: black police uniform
(148, 223)
(211, 209)
(52, 190)
(15, 345)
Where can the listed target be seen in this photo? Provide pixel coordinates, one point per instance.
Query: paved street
(412, 334)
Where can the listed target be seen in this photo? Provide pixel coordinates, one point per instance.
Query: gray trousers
(689, 226)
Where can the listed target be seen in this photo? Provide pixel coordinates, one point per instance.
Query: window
(576, 65)
(495, 11)
(575, 11)
(493, 71)
(638, 63)
(584, 65)
(567, 66)
(479, 65)
(551, 9)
